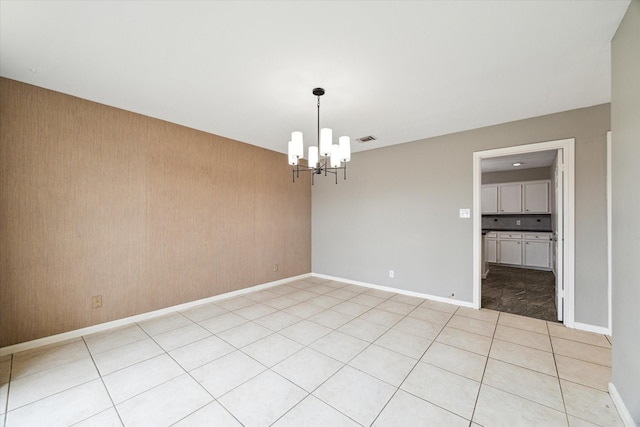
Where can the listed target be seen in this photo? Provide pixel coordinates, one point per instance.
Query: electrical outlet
(275, 267)
(392, 274)
(96, 301)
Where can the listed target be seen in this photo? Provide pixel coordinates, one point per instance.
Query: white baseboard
(627, 419)
(591, 328)
(53, 339)
(396, 290)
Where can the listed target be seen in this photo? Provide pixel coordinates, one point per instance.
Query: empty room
(314, 213)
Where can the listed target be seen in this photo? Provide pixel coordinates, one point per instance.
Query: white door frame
(568, 146)
(609, 231)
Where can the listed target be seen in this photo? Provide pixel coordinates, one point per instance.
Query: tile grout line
(414, 367)
(484, 370)
(6, 404)
(555, 363)
(103, 385)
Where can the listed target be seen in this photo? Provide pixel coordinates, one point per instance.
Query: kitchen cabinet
(489, 198)
(491, 247)
(536, 197)
(510, 248)
(516, 197)
(537, 250)
(510, 198)
(530, 250)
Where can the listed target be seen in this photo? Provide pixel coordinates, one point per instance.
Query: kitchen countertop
(488, 230)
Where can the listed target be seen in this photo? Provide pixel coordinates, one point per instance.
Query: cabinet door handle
(527, 243)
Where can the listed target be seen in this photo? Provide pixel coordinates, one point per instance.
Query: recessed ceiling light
(518, 164)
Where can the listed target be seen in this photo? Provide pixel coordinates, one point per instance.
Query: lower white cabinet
(492, 248)
(518, 249)
(537, 250)
(510, 251)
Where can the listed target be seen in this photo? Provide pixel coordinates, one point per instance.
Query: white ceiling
(538, 159)
(400, 71)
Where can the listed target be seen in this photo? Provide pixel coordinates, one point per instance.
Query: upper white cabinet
(490, 198)
(510, 199)
(536, 197)
(516, 197)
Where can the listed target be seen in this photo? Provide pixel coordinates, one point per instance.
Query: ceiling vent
(366, 139)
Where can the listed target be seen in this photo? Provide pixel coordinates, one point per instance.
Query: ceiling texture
(397, 70)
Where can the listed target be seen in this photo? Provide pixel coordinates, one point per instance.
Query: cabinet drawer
(491, 235)
(510, 236)
(542, 236)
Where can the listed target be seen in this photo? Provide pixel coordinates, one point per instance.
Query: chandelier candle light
(333, 155)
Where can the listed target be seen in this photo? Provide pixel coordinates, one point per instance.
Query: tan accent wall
(99, 201)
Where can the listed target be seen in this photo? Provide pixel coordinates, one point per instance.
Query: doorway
(562, 196)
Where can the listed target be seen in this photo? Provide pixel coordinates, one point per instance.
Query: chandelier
(334, 157)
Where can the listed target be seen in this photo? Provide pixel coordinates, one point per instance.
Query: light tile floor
(316, 353)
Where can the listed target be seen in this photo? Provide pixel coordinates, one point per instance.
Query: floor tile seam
(33, 352)
(139, 324)
(439, 406)
(380, 379)
(596, 423)
(555, 364)
(452, 372)
(6, 403)
(265, 366)
(164, 352)
(329, 404)
(460, 348)
(207, 318)
(607, 347)
(97, 413)
(217, 332)
(48, 396)
(524, 330)
(495, 324)
(385, 405)
(583, 360)
(583, 385)
(20, 378)
(189, 372)
(469, 332)
(238, 348)
(221, 405)
(484, 369)
(526, 398)
(155, 387)
(475, 318)
(521, 345)
(64, 390)
(103, 385)
(529, 400)
(571, 342)
(523, 367)
(113, 348)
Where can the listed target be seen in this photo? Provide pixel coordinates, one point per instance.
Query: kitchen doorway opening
(535, 251)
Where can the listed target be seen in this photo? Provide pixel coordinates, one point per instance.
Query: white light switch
(465, 213)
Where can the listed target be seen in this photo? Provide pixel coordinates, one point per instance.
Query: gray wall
(531, 174)
(398, 210)
(625, 115)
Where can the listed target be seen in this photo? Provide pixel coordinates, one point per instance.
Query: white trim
(602, 330)
(396, 290)
(77, 333)
(609, 231)
(568, 146)
(627, 419)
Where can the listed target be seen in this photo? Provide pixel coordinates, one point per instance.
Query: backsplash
(510, 222)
